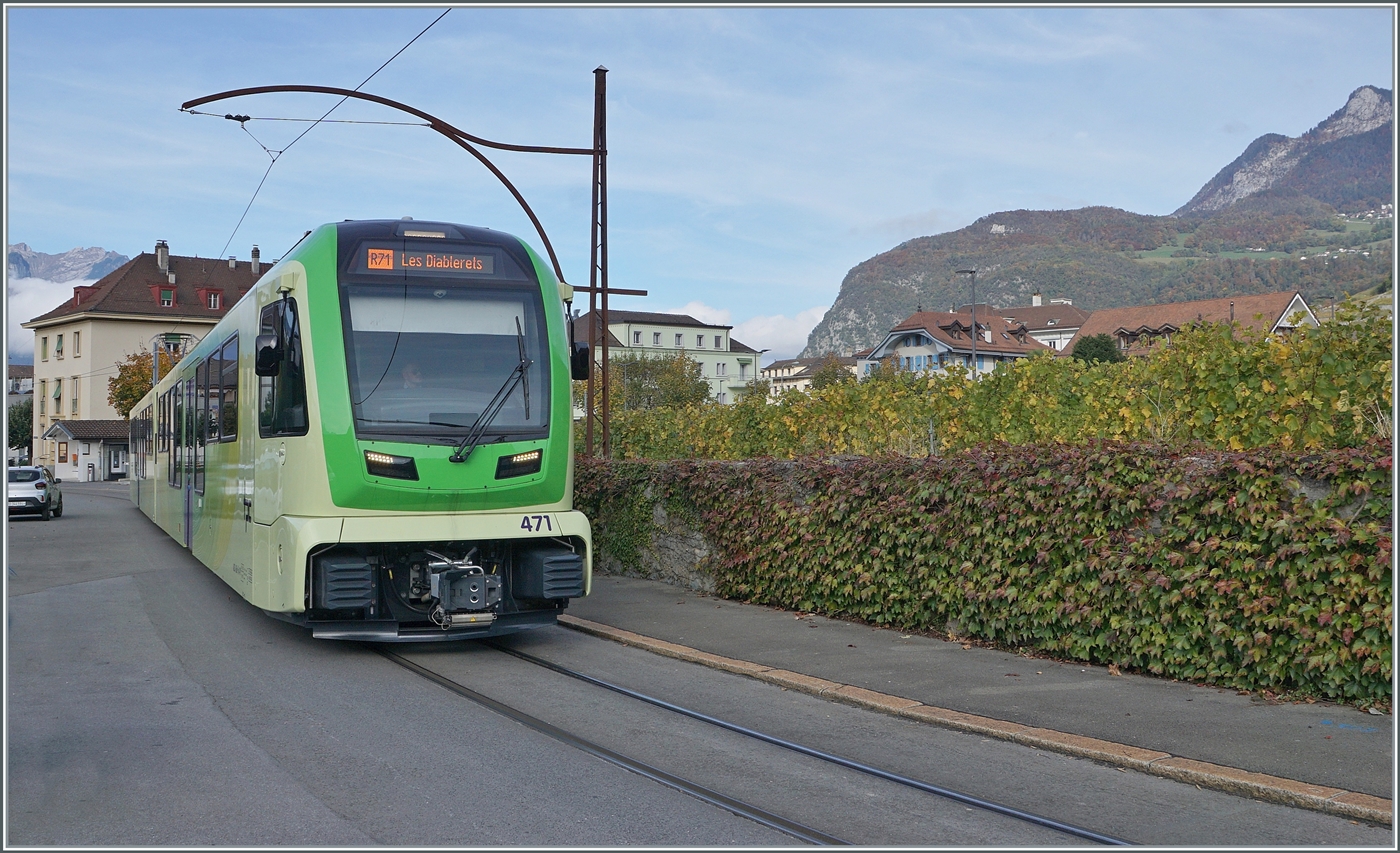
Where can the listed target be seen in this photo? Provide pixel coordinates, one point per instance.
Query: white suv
(34, 489)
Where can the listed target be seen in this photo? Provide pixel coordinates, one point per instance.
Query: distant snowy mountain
(72, 265)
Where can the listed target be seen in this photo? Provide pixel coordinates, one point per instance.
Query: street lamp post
(973, 274)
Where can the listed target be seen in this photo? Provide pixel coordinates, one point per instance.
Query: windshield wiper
(518, 376)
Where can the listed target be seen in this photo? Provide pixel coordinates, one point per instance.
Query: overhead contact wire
(313, 125)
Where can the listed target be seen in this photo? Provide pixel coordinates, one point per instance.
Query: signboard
(416, 262)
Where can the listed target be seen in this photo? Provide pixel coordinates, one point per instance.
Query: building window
(720, 398)
(719, 342)
(743, 370)
(63, 451)
(58, 347)
(721, 369)
(58, 396)
(77, 344)
(678, 341)
(214, 301)
(699, 341)
(656, 339)
(636, 339)
(74, 392)
(44, 348)
(43, 397)
(167, 297)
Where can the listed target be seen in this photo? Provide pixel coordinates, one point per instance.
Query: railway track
(739, 807)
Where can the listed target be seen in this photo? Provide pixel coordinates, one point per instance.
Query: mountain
(1302, 213)
(72, 265)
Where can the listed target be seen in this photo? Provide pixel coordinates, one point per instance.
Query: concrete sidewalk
(1321, 756)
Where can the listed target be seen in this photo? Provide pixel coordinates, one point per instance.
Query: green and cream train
(375, 441)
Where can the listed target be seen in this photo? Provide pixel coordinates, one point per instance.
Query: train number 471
(536, 523)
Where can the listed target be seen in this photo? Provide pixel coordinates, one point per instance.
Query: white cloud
(782, 336)
(703, 313)
(27, 298)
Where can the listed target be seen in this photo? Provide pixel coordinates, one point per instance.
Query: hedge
(1264, 569)
(1314, 388)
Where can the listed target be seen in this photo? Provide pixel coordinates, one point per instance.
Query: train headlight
(388, 465)
(519, 464)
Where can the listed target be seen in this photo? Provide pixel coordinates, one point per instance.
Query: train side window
(177, 433)
(228, 428)
(148, 444)
(165, 432)
(133, 440)
(282, 398)
(201, 423)
(191, 409)
(214, 396)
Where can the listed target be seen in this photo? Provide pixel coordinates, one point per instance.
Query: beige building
(78, 345)
(795, 374)
(725, 364)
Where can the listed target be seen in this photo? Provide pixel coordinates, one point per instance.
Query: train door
(281, 403)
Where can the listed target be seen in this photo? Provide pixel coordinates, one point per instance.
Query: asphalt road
(148, 704)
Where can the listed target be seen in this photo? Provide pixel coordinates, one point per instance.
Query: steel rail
(708, 795)
(460, 137)
(956, 796)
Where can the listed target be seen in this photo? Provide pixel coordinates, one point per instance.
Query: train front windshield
(427, 356)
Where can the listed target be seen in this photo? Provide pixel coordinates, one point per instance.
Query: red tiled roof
(134, 288)
(954, 330)
(1038, 317)
(1259, 312)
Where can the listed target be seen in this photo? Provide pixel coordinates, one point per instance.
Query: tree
(1096, 348)
(21, 418)
(644, 382)
(830, 371)
(758, 388)
(133, 380)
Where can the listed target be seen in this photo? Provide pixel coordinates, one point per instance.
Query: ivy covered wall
(1259, 569)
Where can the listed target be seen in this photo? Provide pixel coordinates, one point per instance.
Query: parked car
(34, 489)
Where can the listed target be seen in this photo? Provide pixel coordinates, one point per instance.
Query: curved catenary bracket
(460, 137)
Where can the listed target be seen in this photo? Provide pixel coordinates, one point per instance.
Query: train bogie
(376, 440)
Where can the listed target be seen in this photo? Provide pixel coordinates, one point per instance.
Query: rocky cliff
(1276, 162)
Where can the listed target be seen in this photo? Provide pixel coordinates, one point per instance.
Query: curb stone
(1217, 777)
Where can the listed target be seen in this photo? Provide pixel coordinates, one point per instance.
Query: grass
(1323, 241)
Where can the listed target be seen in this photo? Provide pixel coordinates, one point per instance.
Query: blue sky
(755, 154)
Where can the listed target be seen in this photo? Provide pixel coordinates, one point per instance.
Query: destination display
(428, 263)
